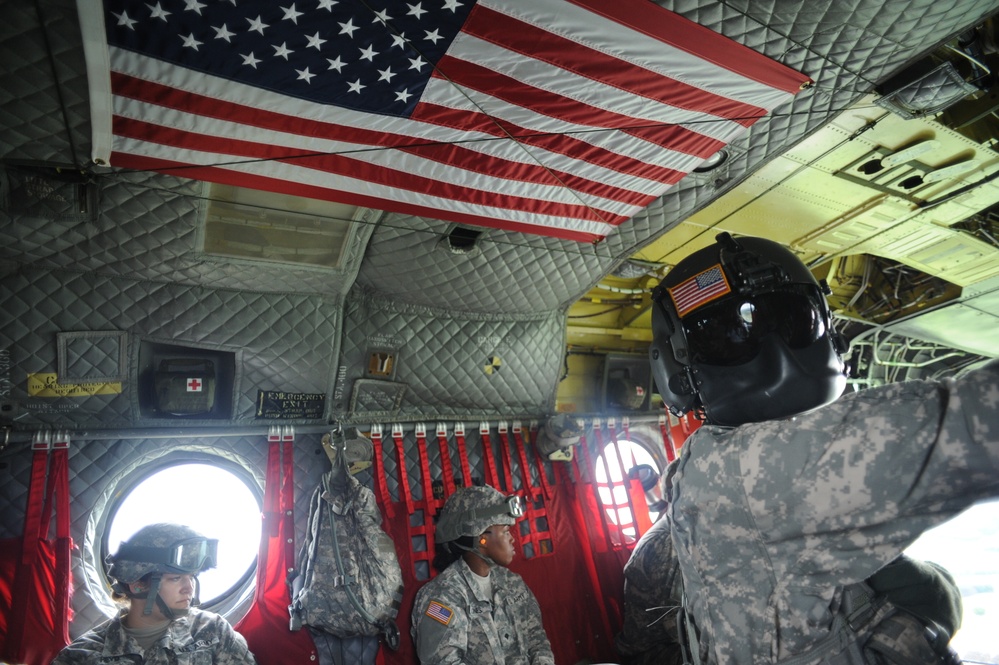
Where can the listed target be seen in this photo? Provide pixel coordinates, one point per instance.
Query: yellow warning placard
(47, 385)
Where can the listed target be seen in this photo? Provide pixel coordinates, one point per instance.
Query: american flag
(557, 117)
(700, 289)
(439, 612)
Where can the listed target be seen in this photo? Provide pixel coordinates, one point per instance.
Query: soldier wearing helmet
(791, 496)
(155, 578)
(476, 611)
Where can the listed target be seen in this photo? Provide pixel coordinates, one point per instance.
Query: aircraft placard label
(47, 385)
(280, 405)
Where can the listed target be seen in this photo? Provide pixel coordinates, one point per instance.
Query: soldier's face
(177, 591)
(499, 544)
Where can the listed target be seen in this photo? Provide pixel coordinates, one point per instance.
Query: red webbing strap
(625, 483)
(429, 503)
(532, 497)
(381, 484)
(492, 477)
(271, 513)
(48, 489)
(446, 469)
(287, 498)
(503, 432)
(568, 481)
(59, 486)
(466, 468)
(667, 439)
(403, 477)
(591, 484)
(643, 520)
(539, 462)
(41, 444)
(425, 529)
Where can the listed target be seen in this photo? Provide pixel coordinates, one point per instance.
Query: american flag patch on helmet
(700, 289)
(439, 612)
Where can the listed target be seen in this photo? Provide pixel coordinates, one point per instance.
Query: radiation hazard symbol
(492, 365)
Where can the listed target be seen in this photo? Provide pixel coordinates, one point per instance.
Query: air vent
(250, 225)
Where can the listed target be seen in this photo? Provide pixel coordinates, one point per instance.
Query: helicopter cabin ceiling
(880, 174)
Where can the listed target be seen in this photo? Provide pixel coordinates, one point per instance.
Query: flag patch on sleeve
(439, 612)
(700, 289)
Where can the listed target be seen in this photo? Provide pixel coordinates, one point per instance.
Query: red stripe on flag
(266, 184)
(673, 29)
(347, 166)
(452, 155)
(570, 55)
(563, 144)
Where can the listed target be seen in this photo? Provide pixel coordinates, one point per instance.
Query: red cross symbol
(194, 385)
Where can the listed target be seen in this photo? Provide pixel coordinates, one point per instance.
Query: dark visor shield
(186, 556)
(728, 332)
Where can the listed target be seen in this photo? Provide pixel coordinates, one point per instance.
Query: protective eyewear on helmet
(185, 556)
(512, 506)
(730, 331)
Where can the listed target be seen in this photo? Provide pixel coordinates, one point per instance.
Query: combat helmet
(472, 510)
(156, 549)
(742, 333)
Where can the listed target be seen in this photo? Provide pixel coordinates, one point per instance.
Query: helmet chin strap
(476, 552)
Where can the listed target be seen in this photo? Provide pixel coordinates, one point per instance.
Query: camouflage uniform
(652, 598)
(199, 638)
(505, 629)
(770, 520)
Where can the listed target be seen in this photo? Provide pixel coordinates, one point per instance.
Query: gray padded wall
(283, 342)
(448, 364)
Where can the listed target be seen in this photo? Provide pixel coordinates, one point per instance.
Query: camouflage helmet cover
(472, 510)
(162, 548)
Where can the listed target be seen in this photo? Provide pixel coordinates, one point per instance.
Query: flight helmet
(742, 333)
(157, 549)
(472, 510)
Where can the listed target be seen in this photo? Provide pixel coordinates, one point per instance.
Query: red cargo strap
(533, 497)
(37, 568)
(591, 485)
(466, 468)
(265, 626)
(667, 439)
(492, 477)
(446, 469)
(504, 444)
(425, 530)
(539, 462)
(625, 485)
(643, 519)
(403, 476)
(381, 484)
(429, 503)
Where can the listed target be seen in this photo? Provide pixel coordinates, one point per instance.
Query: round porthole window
(212, 499)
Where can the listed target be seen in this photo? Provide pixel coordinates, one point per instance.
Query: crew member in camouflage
(476, 611)
(778, 504)
(154, 577)
(652, 597)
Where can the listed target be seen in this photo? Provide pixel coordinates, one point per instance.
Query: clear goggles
(731, 331)
(512, 506)
(185, 556)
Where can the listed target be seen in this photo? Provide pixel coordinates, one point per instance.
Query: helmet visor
(729, 331)
(185, 556)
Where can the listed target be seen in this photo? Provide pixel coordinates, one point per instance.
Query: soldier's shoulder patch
(438, 612)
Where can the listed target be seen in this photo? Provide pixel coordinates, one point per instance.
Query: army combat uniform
(199, 638)
(652, 598)
(770, 520)
(453, 622)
